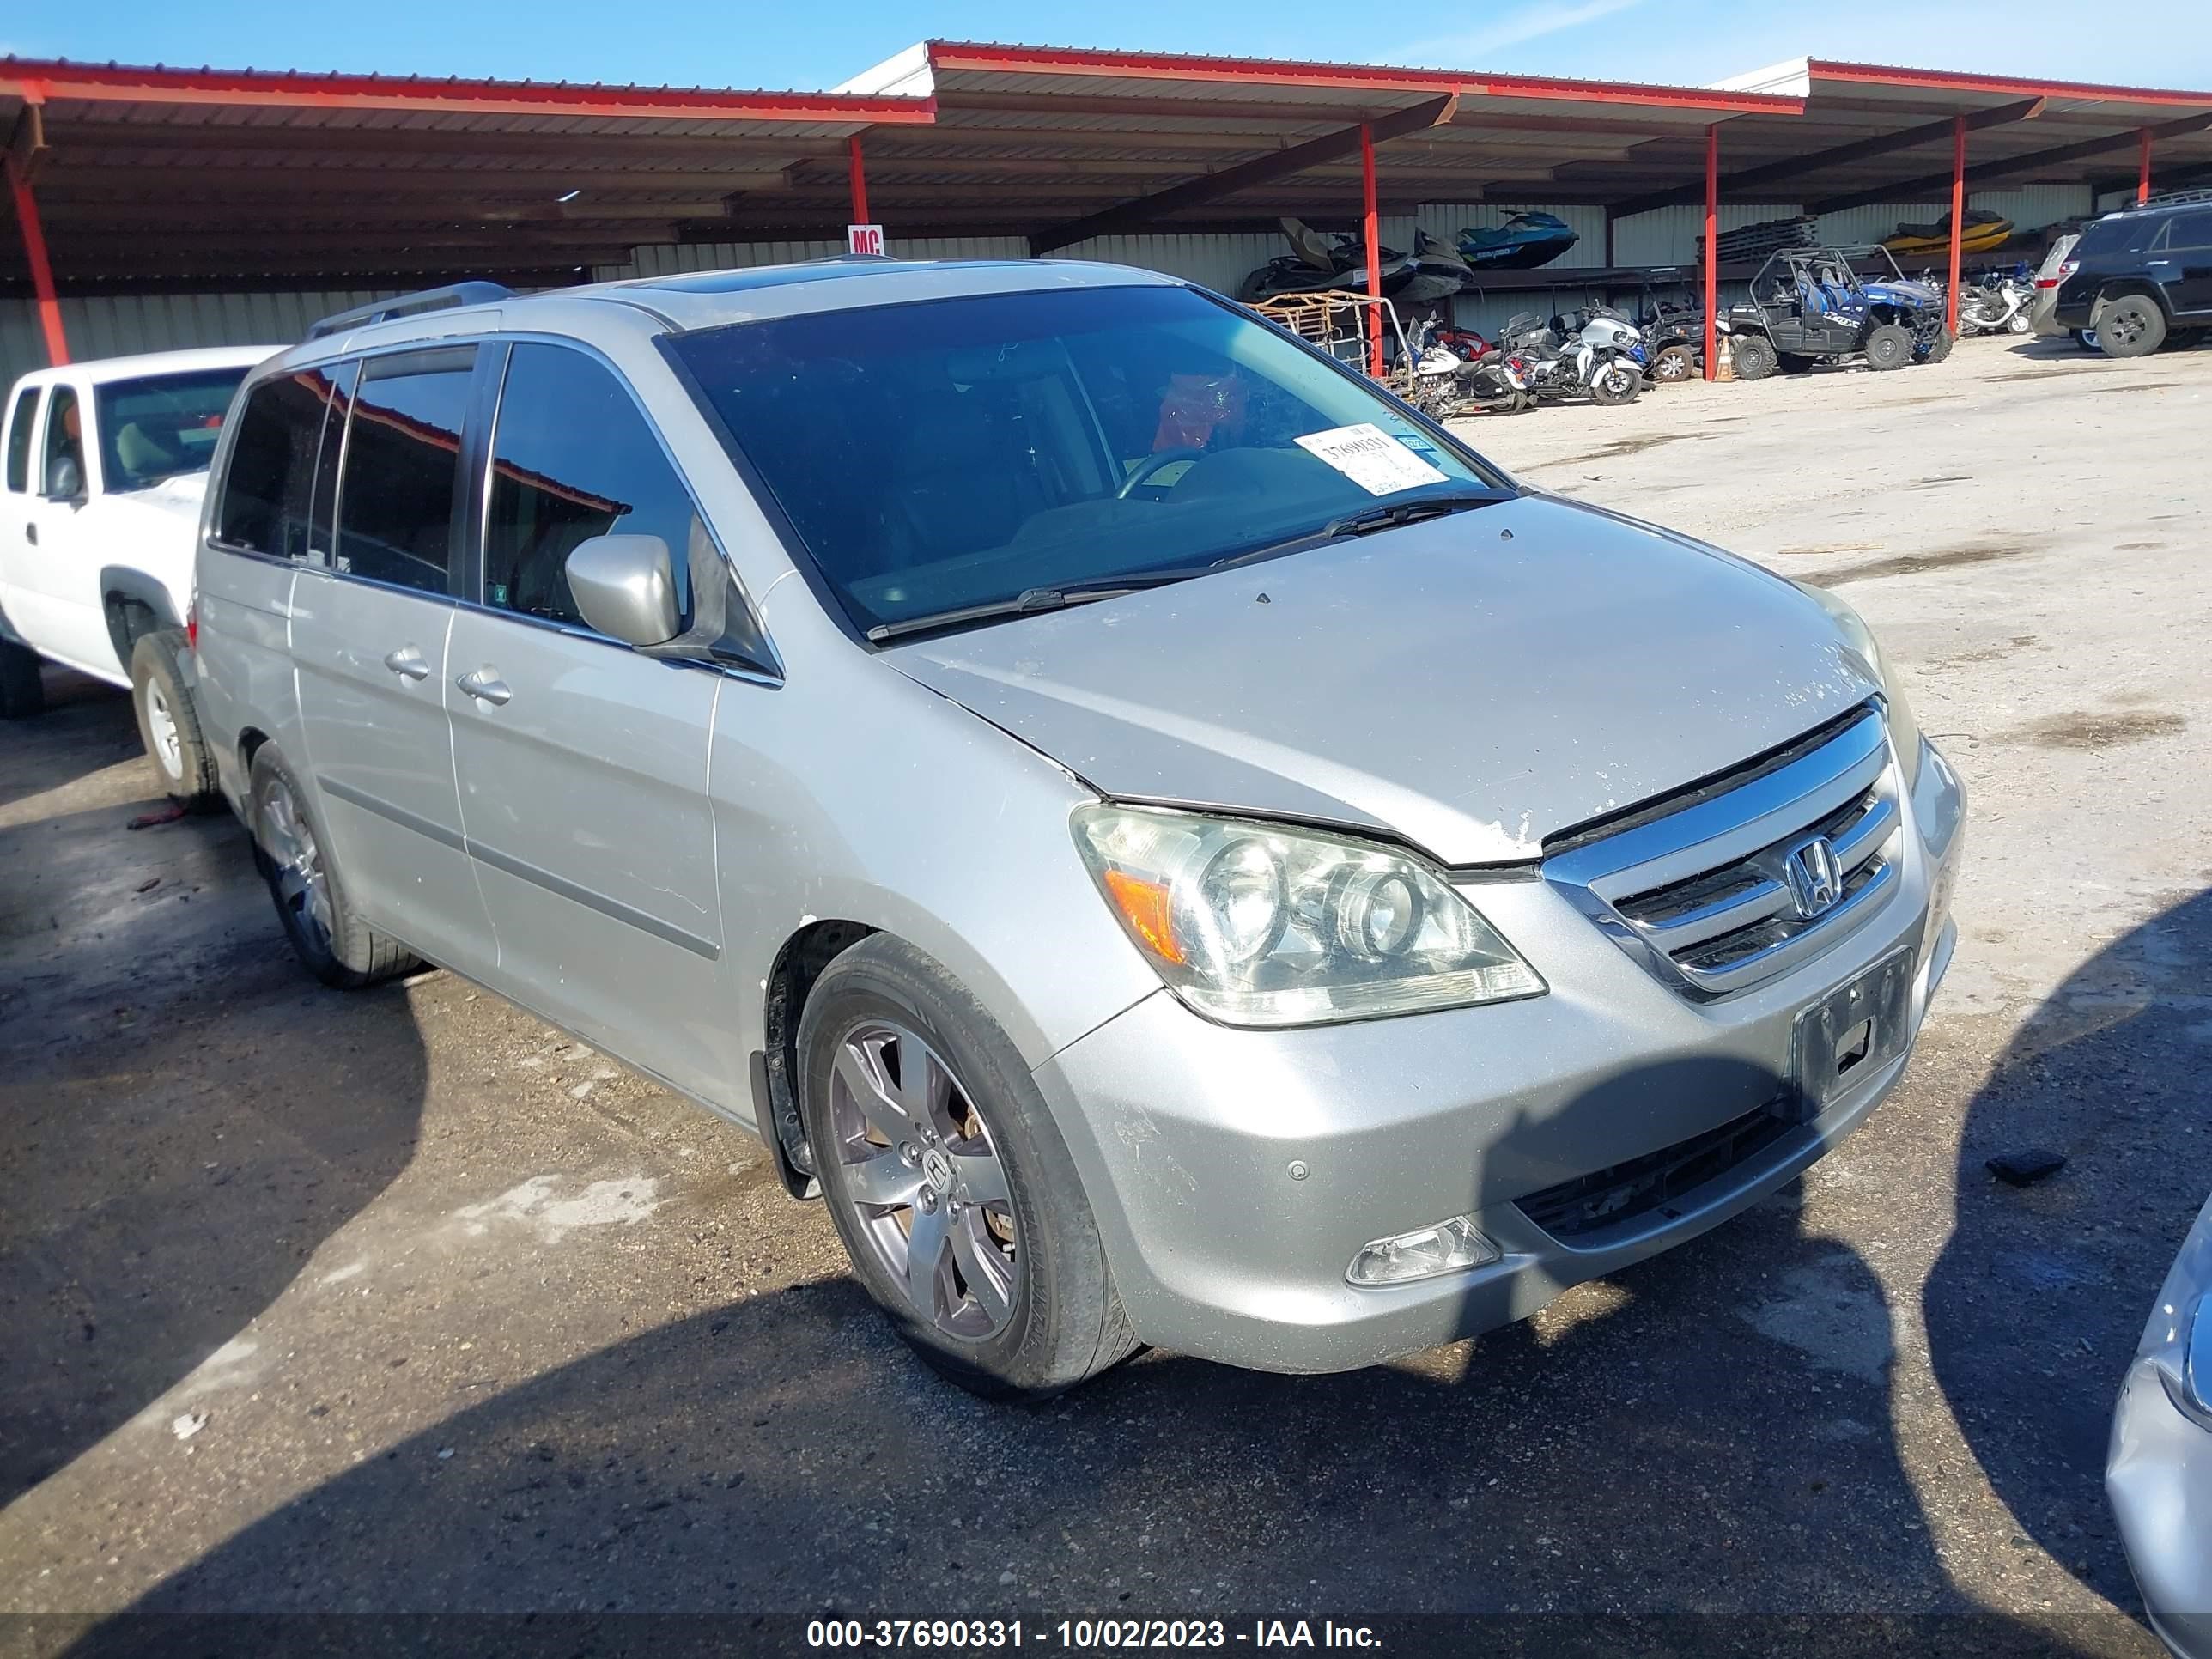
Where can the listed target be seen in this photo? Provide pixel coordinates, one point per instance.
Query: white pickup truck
(105, 468)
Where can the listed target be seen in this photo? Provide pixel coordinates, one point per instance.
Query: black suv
(2142, 277)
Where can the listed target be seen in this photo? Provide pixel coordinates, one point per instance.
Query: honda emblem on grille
(1816, 880)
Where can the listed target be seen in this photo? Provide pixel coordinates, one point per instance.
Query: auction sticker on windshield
(1371, 458)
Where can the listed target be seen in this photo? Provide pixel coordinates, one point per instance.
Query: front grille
(1612, 1198)
(1702, 897)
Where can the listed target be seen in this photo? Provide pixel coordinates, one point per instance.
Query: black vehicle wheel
(1754, 356)
(1793, 363)
(948, 1180)
(2181, 339)
(169, 721)
(1672, 364)
(294, 855)
(2086, 339)
(1888, 345)
(1616, 385)
(1936, 348)
(22, 693)
(2132, 326)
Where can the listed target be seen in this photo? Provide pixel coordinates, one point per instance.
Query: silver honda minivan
(1171, 846)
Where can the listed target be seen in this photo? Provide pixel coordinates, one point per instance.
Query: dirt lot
(405, 1302)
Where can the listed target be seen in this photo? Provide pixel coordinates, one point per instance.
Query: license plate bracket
(1849, 1035)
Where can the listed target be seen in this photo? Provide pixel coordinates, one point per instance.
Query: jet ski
(1316, 265)
(1521, 243)
(1983, 232)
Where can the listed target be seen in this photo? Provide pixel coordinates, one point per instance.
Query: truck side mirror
(64, 479)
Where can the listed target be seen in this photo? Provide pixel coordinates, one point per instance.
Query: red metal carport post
(42, 272)
(1958, 218)
(1373, 229)
(2142, 172)
(1712, 250)
(857, 174)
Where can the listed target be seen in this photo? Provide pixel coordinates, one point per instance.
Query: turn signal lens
(1144, 906)
(1450, 1247)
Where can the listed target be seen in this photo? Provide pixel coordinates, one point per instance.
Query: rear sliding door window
(2190, 230)
(397, 520)
(19, 440)
(268, 487)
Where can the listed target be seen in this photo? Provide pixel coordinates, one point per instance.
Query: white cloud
(1529, 23)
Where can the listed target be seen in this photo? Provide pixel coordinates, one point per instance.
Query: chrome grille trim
(1700, 898)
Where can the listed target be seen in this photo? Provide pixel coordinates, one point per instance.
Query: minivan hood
(1473, 683)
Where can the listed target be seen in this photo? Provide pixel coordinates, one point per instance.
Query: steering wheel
(1154, 464)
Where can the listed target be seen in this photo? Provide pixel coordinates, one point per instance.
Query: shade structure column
(1958, 218)
(856, 174)
(1373, 228)
(2143, 168)
(42, 272)
(1712, 250)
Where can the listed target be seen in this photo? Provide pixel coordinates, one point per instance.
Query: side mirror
(625, 586)
(64, 479)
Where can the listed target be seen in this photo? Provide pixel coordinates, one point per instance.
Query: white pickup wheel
(168, 722)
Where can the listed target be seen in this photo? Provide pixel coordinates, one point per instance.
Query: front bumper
(1234, 1174)
(2159, 1472)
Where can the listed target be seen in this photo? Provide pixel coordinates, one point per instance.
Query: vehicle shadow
(1705, 1435)
(2039, 1298)
(87, 726)
(187, 1114)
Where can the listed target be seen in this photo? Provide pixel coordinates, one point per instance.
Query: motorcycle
(1596, 354)
(1457, 372)
(1997, 304)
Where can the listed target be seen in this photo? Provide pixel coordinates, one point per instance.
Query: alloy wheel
(296, 861)
(920, 1175)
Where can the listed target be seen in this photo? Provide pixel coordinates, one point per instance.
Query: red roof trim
(1822, 68)
(38, 81)
(1357, 77)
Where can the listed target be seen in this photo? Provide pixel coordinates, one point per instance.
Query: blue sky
(713, 43)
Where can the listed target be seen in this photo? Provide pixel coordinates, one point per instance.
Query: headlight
(1903, 728)
(1253, 923)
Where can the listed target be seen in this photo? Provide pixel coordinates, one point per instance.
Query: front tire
(1754, 356)
(2130, 326)
(1616, 386)
(1888, 345)
(1674, 364)
(22, 691)
(1937, 348)
(948, 1180)
(169, 721)
(330, 938)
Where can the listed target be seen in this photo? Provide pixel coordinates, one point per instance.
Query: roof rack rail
(411, 305)
(2175, 197)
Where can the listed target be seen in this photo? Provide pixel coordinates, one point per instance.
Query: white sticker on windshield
(1371, 458)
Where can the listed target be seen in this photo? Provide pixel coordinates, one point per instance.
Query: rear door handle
(30, 534)
(407, 662)
(484, 685)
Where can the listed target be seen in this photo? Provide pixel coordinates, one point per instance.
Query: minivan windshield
(953, 457)
(164, 424)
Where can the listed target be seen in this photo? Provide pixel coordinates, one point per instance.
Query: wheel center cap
(937, 1169)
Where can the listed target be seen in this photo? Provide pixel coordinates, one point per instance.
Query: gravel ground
(406, 1303)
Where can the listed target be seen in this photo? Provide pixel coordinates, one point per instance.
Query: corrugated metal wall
(118, 326)
(1669, 236)
(2029, 209)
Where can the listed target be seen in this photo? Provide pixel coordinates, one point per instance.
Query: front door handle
(30, 534)
(407, 662)
(485, 685)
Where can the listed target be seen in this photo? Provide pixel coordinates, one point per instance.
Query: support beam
(1265, 169)
(856, 179)
(1798, 166)
(1906, 190)
(1371, 227)
(2143, 171)
(27, 142)
(42, 272)
(1712, 258)
(1958, 220)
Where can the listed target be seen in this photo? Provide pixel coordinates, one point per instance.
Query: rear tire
(1888, 345)
(2130, 326)
(294, 856)
(1014, 1300)
(169, 721)
(22, 691)
(2084, 338)
(1753, 355)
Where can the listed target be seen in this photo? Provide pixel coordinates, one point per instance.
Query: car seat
(141, 454)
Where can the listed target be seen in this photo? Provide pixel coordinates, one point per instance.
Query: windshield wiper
(1392, 514)
(1030, 601)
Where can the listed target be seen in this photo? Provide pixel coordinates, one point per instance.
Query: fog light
(1450, 1247)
